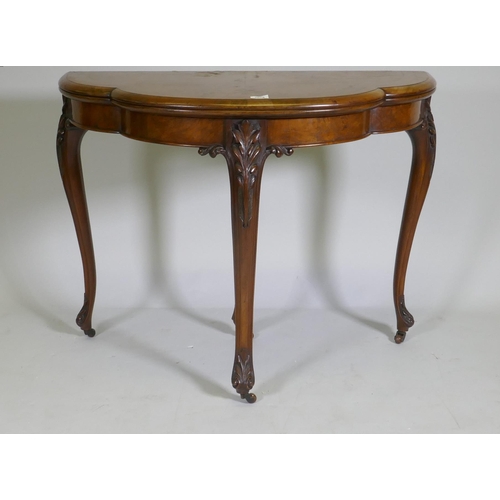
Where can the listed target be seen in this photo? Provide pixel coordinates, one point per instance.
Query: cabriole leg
(423, 139)
(69, 138)
(245, 150)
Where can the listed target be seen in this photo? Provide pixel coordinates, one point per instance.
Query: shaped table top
(266, 92)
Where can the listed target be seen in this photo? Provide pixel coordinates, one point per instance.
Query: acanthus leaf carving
(82, 315)
(246, 148)
(65, 125)
(245, 154)
(243, 377)
(405, 314)
(428, 123)
(64, 121)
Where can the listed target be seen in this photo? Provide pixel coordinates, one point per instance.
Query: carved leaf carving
(61, 129)
(405, 315)
(243, 377)
(82, 315)
(246, 148)
(428, 123)
(245, 155)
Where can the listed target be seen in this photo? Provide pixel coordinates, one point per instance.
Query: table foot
(250, 397)
(399, 337)
(243, 377)
(84, 321)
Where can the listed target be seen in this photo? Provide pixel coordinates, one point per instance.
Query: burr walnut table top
(268, 93)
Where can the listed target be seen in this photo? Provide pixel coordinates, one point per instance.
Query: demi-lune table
(245, 116)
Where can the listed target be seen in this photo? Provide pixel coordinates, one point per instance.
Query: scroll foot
(89, 333)
(399, 337)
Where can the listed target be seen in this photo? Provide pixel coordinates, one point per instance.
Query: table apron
(197, 131)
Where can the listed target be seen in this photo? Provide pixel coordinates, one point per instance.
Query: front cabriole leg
(245, 150)
(423, 139)
(69, 138)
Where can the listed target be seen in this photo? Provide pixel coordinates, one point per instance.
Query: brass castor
(399, 337)
(250, 397)
(89, 333)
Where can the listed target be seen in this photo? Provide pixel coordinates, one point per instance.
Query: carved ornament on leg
(246, 154)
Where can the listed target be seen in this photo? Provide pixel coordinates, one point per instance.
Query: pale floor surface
(317, 371)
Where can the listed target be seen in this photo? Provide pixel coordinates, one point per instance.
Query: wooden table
(245, 117)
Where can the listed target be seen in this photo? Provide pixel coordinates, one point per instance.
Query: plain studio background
(324, 319)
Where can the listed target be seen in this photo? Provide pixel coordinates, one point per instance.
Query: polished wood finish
(245, 117)
(423, 139)
(68, 143)
(245, 149)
